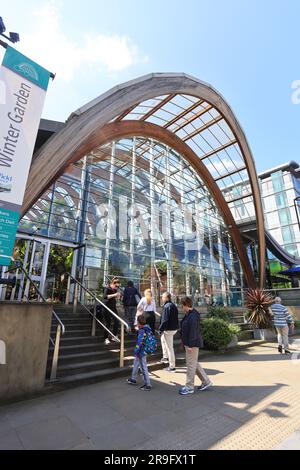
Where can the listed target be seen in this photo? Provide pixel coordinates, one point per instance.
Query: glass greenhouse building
(142, 213)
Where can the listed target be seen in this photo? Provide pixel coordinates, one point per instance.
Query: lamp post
(12, 37)
(296, 204)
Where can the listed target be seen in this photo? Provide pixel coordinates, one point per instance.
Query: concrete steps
(86, 359)
(83, 357)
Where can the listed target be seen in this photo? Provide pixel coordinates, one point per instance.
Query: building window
(272, 220)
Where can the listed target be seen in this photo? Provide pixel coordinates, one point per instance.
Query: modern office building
(280, 187)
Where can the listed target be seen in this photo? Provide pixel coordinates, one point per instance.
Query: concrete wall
(293, 308)
(24, 333)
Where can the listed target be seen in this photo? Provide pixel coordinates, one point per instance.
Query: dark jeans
(109, 320)
(150, 319)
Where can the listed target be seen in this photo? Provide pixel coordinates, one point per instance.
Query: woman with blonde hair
(147, 307)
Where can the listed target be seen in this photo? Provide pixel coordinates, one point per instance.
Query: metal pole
(21, 287)
(242, 283)
(75, 302)
(55, 354)
(110, 203)
(233, 281)
(2, 297)
(30, 269)
(168, 216)
(211, 255)
(154, 226)
(51, 211)
(44, 267)
(13, 291)
(85, 187)
(222, 266)
(199, 221)
(82, 292)
(185, 227)
(73, 273)
(68, 291)
(132, 218)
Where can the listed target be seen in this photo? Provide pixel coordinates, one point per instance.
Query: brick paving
(253, 405)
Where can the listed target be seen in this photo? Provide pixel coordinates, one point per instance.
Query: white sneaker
(106, 341)
(186, 391)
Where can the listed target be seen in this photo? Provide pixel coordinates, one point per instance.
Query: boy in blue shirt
(140, 359)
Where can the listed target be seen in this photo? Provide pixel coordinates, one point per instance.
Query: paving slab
(121, 435)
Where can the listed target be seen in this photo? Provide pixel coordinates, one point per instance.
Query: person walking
(110, 296)
(140, 358)
(147, 307)
(168, 328)
(190, 335)
(131, 298)
(282, 319)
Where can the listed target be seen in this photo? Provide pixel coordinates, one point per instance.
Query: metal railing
(60, 330)
(97, 301)
(109, 278)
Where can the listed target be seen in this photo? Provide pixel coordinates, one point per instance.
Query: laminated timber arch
(139, 108)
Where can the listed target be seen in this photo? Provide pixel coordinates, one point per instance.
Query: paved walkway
(255, 404)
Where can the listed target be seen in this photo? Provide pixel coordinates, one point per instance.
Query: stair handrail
(122, 322)
(109, 279)
(27, 275)
(100, 323)
(60, 327)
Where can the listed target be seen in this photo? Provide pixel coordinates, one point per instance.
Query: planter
(264, 334)
(233, 343)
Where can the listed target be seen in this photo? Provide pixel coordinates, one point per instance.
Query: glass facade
(279, 190)
(137, 209)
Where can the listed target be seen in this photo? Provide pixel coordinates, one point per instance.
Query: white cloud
(50, 46)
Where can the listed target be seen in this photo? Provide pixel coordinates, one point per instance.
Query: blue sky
(247, 49)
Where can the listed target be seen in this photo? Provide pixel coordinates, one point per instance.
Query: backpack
(150, 343)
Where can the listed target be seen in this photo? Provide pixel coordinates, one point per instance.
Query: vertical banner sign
(23, 90)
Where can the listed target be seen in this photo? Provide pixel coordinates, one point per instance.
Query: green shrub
(219, 312)
(217, 333)
(297, 323)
